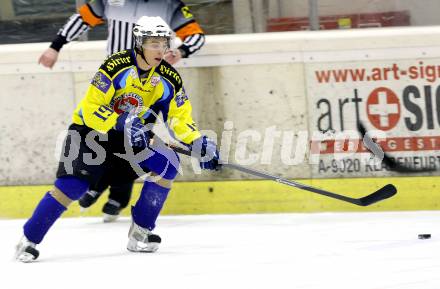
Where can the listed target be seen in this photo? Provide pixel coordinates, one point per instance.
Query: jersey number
(103, 112)
(192, 126)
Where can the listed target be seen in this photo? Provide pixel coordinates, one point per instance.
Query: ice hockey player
(119, 16)
(111, 132)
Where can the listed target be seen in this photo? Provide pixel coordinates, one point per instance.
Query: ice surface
(319, 251)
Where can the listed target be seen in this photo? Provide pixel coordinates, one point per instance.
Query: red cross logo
(383, 108)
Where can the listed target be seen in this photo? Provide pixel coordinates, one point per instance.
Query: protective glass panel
(292, 15)
(24, 21)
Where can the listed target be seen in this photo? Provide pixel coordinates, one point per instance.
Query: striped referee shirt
(121, 15)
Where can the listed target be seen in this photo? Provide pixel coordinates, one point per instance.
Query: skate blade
(25, 257)
(109, 218)
(150, 249)
(139, 247)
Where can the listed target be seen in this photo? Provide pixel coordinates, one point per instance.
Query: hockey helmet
(151, 26)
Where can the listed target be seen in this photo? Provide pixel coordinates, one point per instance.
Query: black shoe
(111, 211)
(89, 199)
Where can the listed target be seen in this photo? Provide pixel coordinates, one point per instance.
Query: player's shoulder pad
(118, 61)
(167, 71)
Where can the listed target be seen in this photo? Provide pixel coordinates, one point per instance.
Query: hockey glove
(134, 129)
(206, 149)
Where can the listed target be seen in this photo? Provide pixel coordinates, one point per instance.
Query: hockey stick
(379, 195)
(389, 161)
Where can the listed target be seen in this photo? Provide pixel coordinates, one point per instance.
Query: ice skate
(111, 211)
(142, 240)
(25, 251)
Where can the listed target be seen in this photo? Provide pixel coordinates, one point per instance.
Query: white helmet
(150, 26)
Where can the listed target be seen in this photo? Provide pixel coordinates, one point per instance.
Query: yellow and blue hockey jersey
(117, 88)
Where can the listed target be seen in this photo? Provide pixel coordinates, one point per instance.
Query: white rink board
(257, 81)
(308, 251)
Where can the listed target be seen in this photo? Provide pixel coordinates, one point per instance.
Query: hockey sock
(45, 214)
(149, 205)
(50, 209)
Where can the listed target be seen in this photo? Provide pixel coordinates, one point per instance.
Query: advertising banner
(398, 102)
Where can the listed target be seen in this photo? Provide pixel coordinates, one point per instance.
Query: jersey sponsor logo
(133, 74)
(140, 88)
(181, 97)
(101, 82)
(170, 72)
(186, 13)
(113, 63)
(155, 80)
(126, 102)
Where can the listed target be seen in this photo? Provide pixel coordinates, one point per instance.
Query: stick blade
(388, 160)
(383, 193)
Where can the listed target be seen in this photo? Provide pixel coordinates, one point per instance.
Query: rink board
(235, 197)
(263, 90)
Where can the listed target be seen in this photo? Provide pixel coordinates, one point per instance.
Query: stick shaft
(379, 195)
(265, 175)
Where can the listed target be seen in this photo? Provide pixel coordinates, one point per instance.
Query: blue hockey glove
(209, 155)
(134, 129)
